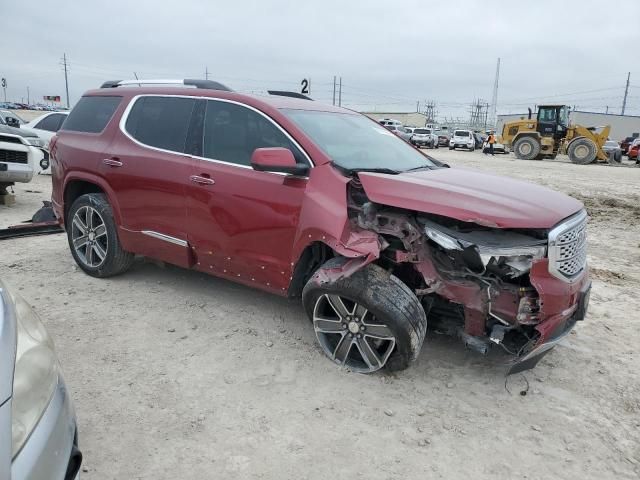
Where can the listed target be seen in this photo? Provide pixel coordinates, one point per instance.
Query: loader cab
(553, 120)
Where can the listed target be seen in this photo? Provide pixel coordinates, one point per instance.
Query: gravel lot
(179, 375)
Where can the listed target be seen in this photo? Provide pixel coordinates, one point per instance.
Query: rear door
(148, 170)
(242, 222)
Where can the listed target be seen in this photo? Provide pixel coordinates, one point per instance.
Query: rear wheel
(582, 151)
(366, 321)
(526, 148)
(93, 238)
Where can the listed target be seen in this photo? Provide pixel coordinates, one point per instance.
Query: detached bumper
(51, 452)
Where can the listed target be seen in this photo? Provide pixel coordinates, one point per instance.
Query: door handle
(201, 180)
(112, 162)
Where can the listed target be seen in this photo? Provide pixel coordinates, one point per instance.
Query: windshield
(564, 116)
(460, 133)
(422, 131)
(354, 142)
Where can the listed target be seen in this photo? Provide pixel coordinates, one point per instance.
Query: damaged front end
(522, 289)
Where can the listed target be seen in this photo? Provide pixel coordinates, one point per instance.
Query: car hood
(21, 132)
(471, 196)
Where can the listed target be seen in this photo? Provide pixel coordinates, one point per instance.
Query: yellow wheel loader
(551, 133)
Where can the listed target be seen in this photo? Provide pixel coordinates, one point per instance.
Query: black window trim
(125, 115)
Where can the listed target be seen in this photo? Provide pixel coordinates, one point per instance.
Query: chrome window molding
(578, 245)
(127, 111)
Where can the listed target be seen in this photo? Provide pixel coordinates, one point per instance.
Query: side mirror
(277, 159)
(12, 122)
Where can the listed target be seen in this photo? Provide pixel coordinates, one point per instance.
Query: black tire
(527, 148)
(582, 151)
(385, 296)
(472, 149)
(452, 148)
(116, 260)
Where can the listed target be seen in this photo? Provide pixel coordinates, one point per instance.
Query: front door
(148, 171)
(242, 222)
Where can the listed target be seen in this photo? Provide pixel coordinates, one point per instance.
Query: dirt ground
(177, 375)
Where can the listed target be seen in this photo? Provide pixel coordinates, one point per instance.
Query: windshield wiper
(421, 167)
(390, 171)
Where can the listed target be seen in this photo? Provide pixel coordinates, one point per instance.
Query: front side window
(91, 114)
(232, 132)
(354, 142)
(161, 122)
(547, 114)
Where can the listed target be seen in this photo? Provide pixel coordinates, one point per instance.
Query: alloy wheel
(351, 335)
(89, 236)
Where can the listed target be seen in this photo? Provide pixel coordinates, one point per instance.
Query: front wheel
(366, 321)
(93, 238)
(526, 148)
(582, 151)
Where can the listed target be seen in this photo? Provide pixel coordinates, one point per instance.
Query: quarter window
(91, 114)
(161, 122)
(232, 133)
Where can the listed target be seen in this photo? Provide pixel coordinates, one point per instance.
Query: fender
(100, 182)
(323, 218)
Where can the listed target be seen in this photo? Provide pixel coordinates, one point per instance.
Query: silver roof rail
(209, 84)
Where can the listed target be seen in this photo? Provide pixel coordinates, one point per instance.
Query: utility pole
(626, 92)
(418, 106)
(334, 90)
(206, 73)
(28, 97)
(66, 79)
(494, 99)
(607, 111)
(340, 93)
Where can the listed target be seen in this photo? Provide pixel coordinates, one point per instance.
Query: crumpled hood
(471, 196)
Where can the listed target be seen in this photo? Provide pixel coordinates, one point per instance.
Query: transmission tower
(430, 111)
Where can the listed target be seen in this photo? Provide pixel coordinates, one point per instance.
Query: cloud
(389, 54)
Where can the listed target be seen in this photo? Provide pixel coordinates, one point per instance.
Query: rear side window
(51, 123)
(161, 122)
(91, 114)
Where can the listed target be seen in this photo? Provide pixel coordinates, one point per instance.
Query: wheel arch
(518, 136)
(312, 257)
(78, 185)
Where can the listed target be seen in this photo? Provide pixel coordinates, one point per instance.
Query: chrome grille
(568, 247)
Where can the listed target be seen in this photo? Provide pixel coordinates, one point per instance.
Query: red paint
(272, 157)
(471, 196)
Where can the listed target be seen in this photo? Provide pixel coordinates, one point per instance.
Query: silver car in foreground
(38, 434)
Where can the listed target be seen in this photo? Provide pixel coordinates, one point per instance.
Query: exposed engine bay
(472, 280)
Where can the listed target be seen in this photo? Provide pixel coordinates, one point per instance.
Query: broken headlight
(502, 252)
(511, 261)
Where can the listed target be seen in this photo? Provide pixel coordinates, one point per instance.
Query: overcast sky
(390, 54)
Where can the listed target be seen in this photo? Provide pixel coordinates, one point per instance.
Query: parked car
(613, 146)
(46, 126)
(424, 137)
(34, 401)
(400, 131)
(20, 152)
(462, 139)
(308, 200)
(624, 144)
(634, 149)
(7, 117)
(443, 140)
(389, 122)
(497, 147)
(479, 139)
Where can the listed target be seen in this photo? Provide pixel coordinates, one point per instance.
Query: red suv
(308, 200)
